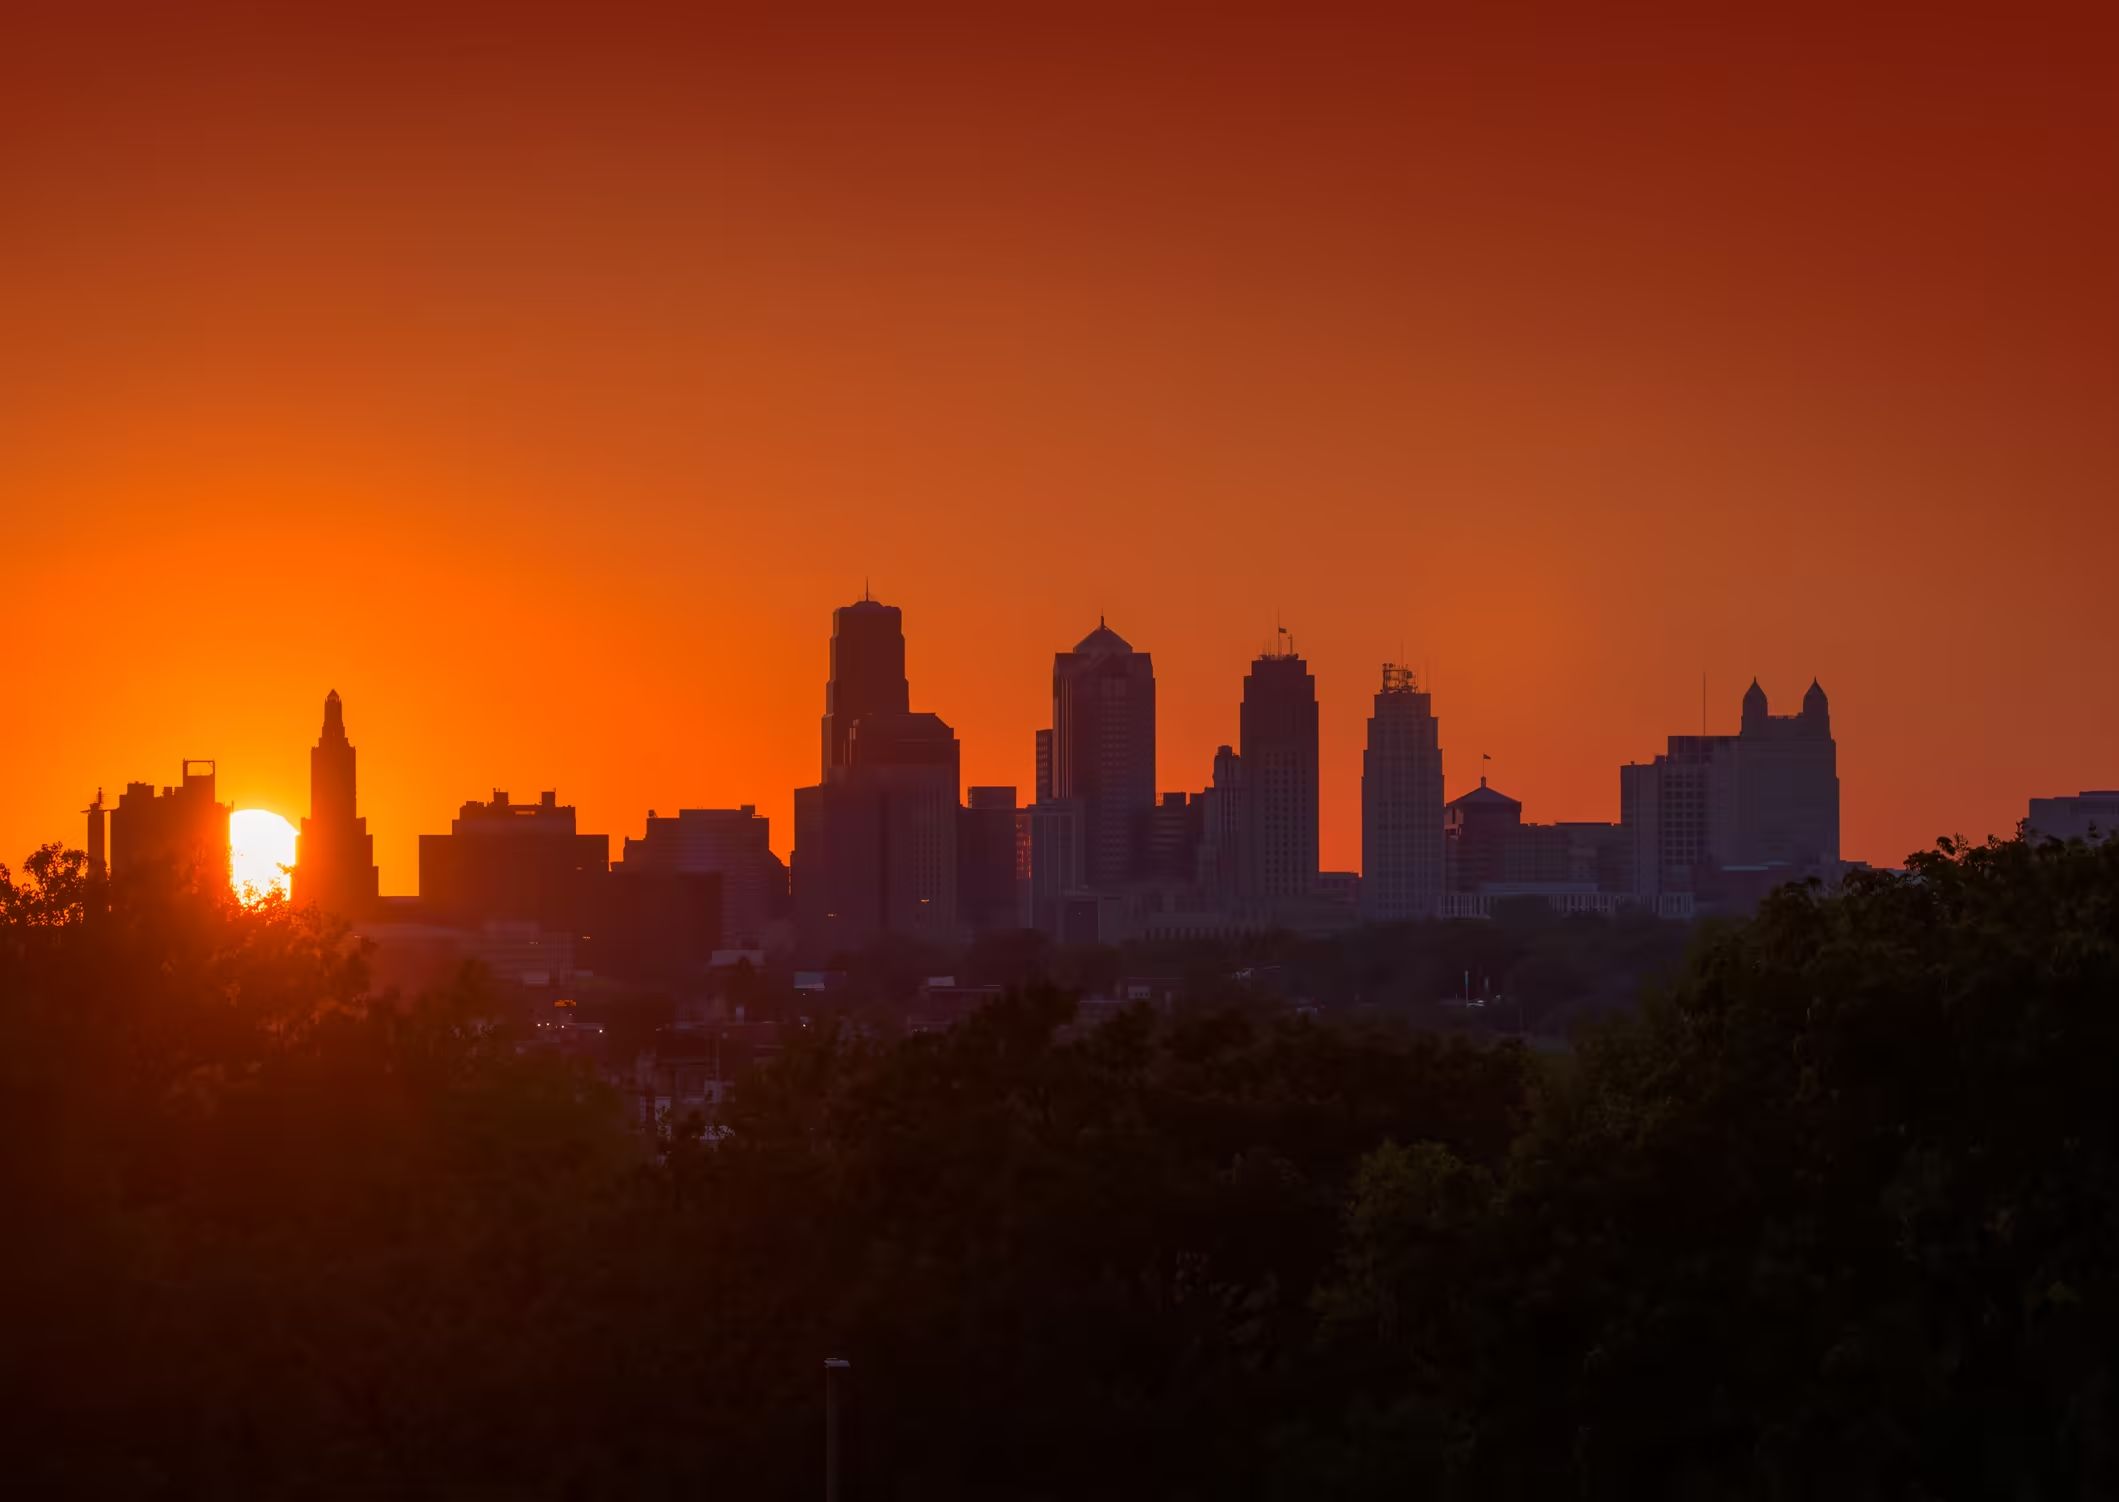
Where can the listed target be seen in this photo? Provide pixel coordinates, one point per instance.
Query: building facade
(876, 846)
(1278, 747)
(184, 828)
(2086, 816)
(1401, 804)
(503, 861)
(1725, 817)
(1103, 749)
(733, 844)
(987, 899)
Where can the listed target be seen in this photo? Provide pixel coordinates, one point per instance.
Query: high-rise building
(1278, 745)
(876, 839)
(184, 828)
(1401, 804)
(731, 843)
(504, 861)
(867, 673)
(1103, 749)
(1725, 816)
(987, 900)
(876, 845)
(334, 864)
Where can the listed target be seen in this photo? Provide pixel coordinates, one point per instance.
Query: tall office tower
(1727, 816)
(334, 864)
(1279, 749)
(987, 901)
(867, 673)
(1401, 804)
(1103, 749)
(731, 843)
(876, 846)
(184, 828)
(1042, 787)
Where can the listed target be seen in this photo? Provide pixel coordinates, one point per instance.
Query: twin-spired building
(1726, 816)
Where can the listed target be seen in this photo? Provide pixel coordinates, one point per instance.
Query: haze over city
(1567, 362)
(1151, 752)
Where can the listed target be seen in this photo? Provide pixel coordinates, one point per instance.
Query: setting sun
(260, 851)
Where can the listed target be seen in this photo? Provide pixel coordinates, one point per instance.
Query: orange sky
(540, 378)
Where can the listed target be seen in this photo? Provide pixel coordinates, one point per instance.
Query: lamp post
(833, 1368)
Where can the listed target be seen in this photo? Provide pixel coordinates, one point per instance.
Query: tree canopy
(1833, 1213)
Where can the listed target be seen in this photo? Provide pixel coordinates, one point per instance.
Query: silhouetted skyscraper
(334, 864)
(1401, 804)
(1278, 747)
(867, 672)
(876, 845)
(876, 839)
(185, 828)
(1103, 749)
(1726, 816)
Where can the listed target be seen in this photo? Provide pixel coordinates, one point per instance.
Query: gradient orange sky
(541, 377)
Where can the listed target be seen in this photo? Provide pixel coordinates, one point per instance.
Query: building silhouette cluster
(888, 844)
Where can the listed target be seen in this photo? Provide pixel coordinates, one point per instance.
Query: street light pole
(833, 1367)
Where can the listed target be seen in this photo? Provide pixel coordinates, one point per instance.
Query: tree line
(1833, 1212)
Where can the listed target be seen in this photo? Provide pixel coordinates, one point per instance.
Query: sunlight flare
(260, 853)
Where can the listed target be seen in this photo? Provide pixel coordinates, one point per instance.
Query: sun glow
(260, 851)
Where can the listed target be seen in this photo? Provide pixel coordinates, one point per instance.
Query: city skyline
(547, 442)
(1462, 770)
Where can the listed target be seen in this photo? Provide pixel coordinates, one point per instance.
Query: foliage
(1836, 1213)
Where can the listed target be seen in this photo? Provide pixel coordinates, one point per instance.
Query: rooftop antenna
(1703, 703)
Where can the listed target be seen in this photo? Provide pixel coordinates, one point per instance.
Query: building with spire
(1727, 817)
(1401, 804)
(334, 866)
(1102, 751)
(867, 672)
(876, 838)
(1277, 745)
